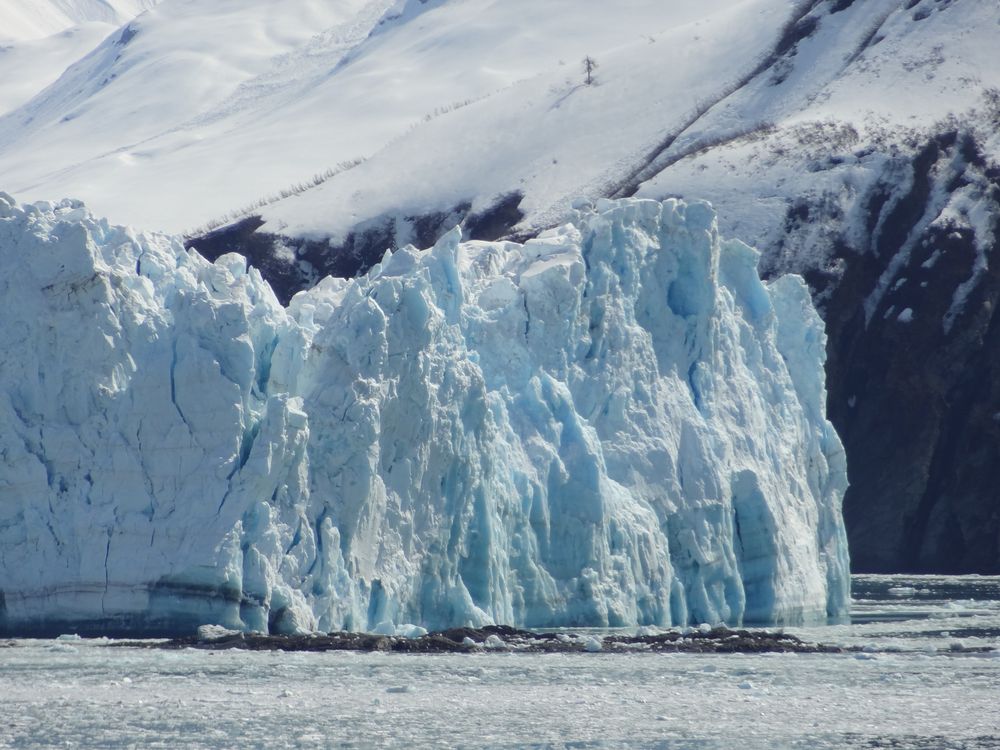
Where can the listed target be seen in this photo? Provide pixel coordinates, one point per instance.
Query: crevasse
(616, 423)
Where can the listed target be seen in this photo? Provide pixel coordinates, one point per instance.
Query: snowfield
(180, 120)
(616, 423)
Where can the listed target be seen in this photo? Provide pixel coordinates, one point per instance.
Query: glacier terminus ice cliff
(615, 423)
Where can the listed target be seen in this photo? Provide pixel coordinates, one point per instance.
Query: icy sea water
(916, 686)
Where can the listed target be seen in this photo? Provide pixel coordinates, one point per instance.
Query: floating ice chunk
(61, 648)
(69, 637)
(470, 643)
(495, 642)
(215, 632)
(410, 631)
(593, 644)
(746, 685)
(386, 627)
(902, 591)
(399, 689)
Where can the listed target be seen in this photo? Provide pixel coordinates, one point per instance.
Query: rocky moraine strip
(719, 640)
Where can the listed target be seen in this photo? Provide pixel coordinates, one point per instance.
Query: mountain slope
(29, 66)
(183, 94)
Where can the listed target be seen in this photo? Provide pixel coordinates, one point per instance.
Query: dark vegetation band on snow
(798, 27)
(248, 210)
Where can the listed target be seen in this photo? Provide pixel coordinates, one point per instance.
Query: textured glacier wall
(615, 423)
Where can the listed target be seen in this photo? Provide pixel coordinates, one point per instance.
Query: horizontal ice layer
(616, 423)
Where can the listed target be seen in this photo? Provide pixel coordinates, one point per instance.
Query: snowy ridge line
(799, 27)
(616, 423)
(654, 163)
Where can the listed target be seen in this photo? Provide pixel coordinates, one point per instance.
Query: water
(920, 684)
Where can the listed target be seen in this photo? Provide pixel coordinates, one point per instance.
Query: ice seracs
(616, 423)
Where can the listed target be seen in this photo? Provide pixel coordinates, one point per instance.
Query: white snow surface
(614, 424)
(22, 20)
(30, 65)
(205, 108)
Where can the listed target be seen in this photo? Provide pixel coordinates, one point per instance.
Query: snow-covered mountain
(40, 39)
(853, 141)
(615, 423)
(199, 109)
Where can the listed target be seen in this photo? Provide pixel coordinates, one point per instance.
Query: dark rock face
(914, 365)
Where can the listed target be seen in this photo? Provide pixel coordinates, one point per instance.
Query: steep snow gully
(614, 423)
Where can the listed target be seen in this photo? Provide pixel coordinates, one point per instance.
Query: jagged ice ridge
(616, 423)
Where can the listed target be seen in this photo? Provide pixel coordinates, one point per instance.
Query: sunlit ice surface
(924, 673)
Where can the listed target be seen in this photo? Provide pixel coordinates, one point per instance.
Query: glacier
(615, 423)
